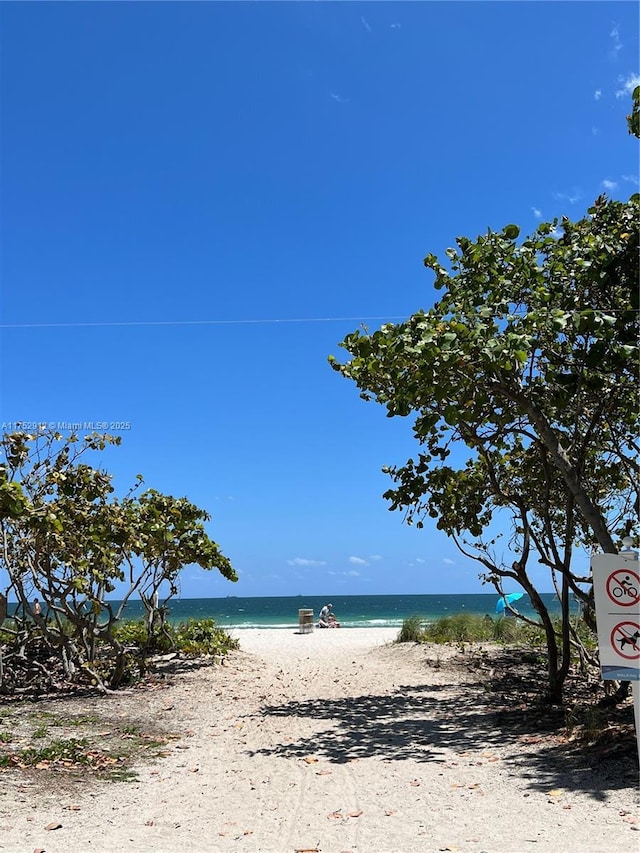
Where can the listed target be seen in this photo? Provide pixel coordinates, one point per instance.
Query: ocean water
(352, 611)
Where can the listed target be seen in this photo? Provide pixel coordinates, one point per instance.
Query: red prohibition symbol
(623, 587)
(625, 639)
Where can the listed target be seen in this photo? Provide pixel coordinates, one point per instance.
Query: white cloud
(594, 131)
(338, 98)
(536, 212)
(395, 26)
(365, 23)
(615, 38)
(632, 179)
(597, 94)
(375, 557)
(301, 561)
(572, 196)
(609, 185)
(448, 562)
(358, 561)
(628, 85)
(353, 574)
(420, 560)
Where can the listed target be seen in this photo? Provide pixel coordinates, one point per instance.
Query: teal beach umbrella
(502, 602)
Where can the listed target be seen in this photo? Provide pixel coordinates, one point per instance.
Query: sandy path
(333, 741)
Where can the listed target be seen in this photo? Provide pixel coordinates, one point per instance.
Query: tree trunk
(555, 677)
(566, 629)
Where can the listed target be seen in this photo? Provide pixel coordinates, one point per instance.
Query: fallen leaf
(54, 825)
(324, 772)
(310, 760)
(356, 814)
(335, 815)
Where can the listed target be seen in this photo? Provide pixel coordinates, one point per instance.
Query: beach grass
(472, 628)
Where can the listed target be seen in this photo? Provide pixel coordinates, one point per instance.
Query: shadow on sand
(420, 722)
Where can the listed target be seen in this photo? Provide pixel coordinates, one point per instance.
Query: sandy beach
(333, 741)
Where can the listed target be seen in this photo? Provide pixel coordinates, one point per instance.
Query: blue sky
(200, 200)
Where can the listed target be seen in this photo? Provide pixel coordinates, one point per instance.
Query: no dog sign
(616, 587)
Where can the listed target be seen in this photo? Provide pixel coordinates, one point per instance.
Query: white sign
(616, 588)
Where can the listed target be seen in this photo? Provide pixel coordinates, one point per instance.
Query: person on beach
(36, 611)
(323, 618)
(332, 621)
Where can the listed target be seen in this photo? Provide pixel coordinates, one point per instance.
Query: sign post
(616, 589)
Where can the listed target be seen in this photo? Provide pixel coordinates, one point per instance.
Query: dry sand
(333, 741)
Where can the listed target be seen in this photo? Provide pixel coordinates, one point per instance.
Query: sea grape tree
(67, 540)
(536, 339)
(529, 361)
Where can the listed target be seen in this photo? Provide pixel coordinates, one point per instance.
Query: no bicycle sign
(616, 587)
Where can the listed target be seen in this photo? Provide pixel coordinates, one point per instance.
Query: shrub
(202, 637)
(136, 633)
